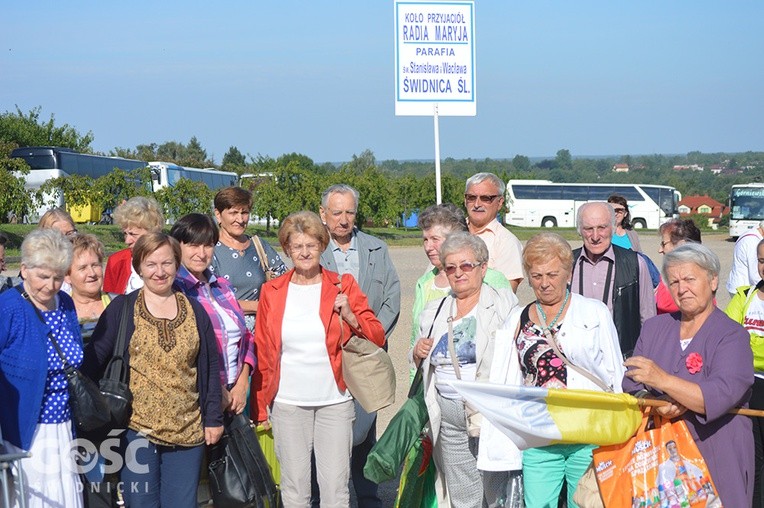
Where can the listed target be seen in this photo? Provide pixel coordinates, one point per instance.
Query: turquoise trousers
(544, 470)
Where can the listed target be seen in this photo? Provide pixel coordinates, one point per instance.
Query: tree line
(389, 189)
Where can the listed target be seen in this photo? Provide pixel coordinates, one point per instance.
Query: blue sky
(317, 77)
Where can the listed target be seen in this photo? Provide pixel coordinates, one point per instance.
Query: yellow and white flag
(532, 417)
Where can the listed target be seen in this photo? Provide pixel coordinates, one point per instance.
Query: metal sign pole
(438, 192)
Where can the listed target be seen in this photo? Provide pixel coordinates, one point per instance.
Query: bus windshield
(747, 203)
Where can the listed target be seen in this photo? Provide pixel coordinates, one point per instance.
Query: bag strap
(258, 243)
(552, 341)
(64, 361)
(120, 346)
(451, 347)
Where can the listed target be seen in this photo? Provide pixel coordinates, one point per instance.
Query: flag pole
(735, 411)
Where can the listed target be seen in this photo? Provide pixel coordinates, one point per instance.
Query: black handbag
(239, 475)
(114, 384)
(88, 406)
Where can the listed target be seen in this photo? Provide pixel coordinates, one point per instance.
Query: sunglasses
(619, 210)
(465, 267)
(471, 198)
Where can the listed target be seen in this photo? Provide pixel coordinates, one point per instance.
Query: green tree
(186, 196)
(195, 156)
(28, 130)
(521, 163)
(233, 159)
(563, 161)
(13, 198)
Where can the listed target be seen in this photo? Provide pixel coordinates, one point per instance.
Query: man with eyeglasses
(483, 198)
(616, 276)
(368, 260)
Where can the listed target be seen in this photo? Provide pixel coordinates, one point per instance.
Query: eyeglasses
(71, 232)
(471, 198)
(619, 210)
(663, 244)
(465, 267)
(310, 247)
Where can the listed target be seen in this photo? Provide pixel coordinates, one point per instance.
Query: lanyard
(606, 292)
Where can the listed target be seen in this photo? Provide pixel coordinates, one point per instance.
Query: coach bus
(48, 162)
(746, 204)
(542, 203)
(167, 174)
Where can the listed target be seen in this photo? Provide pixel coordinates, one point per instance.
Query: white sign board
(435, 58)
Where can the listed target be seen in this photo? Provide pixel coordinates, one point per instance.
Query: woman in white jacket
(457, 341)
(583, 330)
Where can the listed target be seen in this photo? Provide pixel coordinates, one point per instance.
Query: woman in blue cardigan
(34, 399)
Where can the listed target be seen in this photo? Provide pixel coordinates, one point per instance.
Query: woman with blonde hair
(137, 216)
(58, 218)
(85, 277)
(302, 318)
(560, 340)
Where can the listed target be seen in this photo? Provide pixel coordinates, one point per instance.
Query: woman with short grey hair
(38, 336)
(701, 361)
(696, 253)
(464, 241)
(456, 341)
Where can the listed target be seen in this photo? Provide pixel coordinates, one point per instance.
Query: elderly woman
(58, 218)
(173, 374)
(198, 234)
(239, 257)
(456, 342)
(85, 276)
(436, 223)
(137, 216)
(623, 234)
(302, 319)
(584, 335)
(35, 413)
(673, 233)
(747, 308)
(700, 360)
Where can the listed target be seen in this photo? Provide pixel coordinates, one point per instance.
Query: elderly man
(483, 198)
(367, 259)
(745, 262)
(618, 277)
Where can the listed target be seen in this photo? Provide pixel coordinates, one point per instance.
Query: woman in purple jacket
(701, 361)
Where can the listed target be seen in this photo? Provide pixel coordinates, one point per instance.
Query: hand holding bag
(88, 406)
(239, 475)
(660, 466)
(368, 371)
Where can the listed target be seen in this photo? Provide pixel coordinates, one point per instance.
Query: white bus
(167, 174)
(746, 207)
(48, 162)
(541, 203)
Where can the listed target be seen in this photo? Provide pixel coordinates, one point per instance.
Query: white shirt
(307, 378)
(745, 264)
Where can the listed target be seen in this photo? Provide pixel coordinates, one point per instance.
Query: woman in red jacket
(299, 385)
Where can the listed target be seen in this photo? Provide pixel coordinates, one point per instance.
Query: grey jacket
(379, 280)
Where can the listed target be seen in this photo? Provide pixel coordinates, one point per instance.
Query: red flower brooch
(694, 363)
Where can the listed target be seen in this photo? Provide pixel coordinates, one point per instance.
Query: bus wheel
(549, 222)
(639, 224)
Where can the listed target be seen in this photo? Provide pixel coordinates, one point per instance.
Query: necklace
(559, 312)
